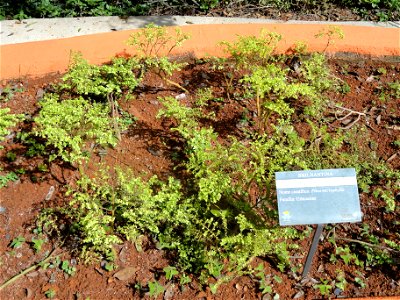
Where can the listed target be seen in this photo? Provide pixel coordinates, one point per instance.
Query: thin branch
(368, 244)
(350, 110)
(176, 85)
(29, 269)
(349, 114)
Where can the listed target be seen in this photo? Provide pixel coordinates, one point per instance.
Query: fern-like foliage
(153, 44)
(254, 50)
(69, 125)
(7, 120)
(87, 79)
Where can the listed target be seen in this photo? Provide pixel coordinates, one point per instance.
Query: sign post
(317, 197)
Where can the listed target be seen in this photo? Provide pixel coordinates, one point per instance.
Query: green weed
(68, 126)
(67, 268)
(155, 288)
(324, 287)
(98, 82)
(50, 293)
(8, 92)
(5, 179)
(153, 45)
(7, 121)
(331, 33)
(170, 272)
(253, 50)
(37, 244)
(17, 242)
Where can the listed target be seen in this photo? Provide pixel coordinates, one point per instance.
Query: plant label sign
(318, 197)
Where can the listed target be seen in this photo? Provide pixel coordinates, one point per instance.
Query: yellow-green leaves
(7, 121)
(69, 125)
(156, 41)
(91, 80)
(254, 50)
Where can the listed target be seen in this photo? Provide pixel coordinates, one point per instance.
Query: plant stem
(175, 84)
(27, 270)
(367, 244)
(114, 115)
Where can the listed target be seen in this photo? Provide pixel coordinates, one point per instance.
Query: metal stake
(313, 248)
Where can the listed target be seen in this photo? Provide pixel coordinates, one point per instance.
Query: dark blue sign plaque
(318, 197)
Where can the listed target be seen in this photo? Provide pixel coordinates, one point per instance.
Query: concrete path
(14, 31)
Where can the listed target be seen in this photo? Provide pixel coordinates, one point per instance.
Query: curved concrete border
(42, 57)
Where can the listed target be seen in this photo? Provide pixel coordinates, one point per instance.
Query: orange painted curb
(39, 58)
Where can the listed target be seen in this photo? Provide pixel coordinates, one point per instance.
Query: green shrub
(7, 121)
(382, 10)
(69, 125)
(273, 93)
(153, 44)
(91, 80)
(70, 8)
(253, 50)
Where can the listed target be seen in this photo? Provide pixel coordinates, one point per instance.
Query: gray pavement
(14, 31)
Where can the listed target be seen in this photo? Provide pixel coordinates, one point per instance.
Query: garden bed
(207, 228)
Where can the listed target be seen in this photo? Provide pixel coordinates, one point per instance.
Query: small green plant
(17, 242)
(381, 71)
(396, 143)
(34, 146)
(7, 120)
(330, 33)
(264, 284)
(273, 92)
(360, 280)
(8, 92)
(69, 125)
(155, 288)
(43, 168)
(377, 252)
(50, 293)
(67, 268)
(254, 50)
(20, 171)
(37, 244)
(394, 88)
(317, 74)
(153, 45)
(324, 287)
(300, 48)
(11, 156)
(170, 272)
(109, 266)
(5, 179)
(184, 279)
(345, 88)
(97, 82)
(340, 281)
(347, 256)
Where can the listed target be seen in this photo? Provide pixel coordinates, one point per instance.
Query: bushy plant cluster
(253, 50)
(70, 8)
(204, 220)
(153, 45)
(222, 214)
(382, 10)
(84, 112)
(69, 125)
(7, 120)
(99, 82)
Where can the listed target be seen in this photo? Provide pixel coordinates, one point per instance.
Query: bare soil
(148, 147)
